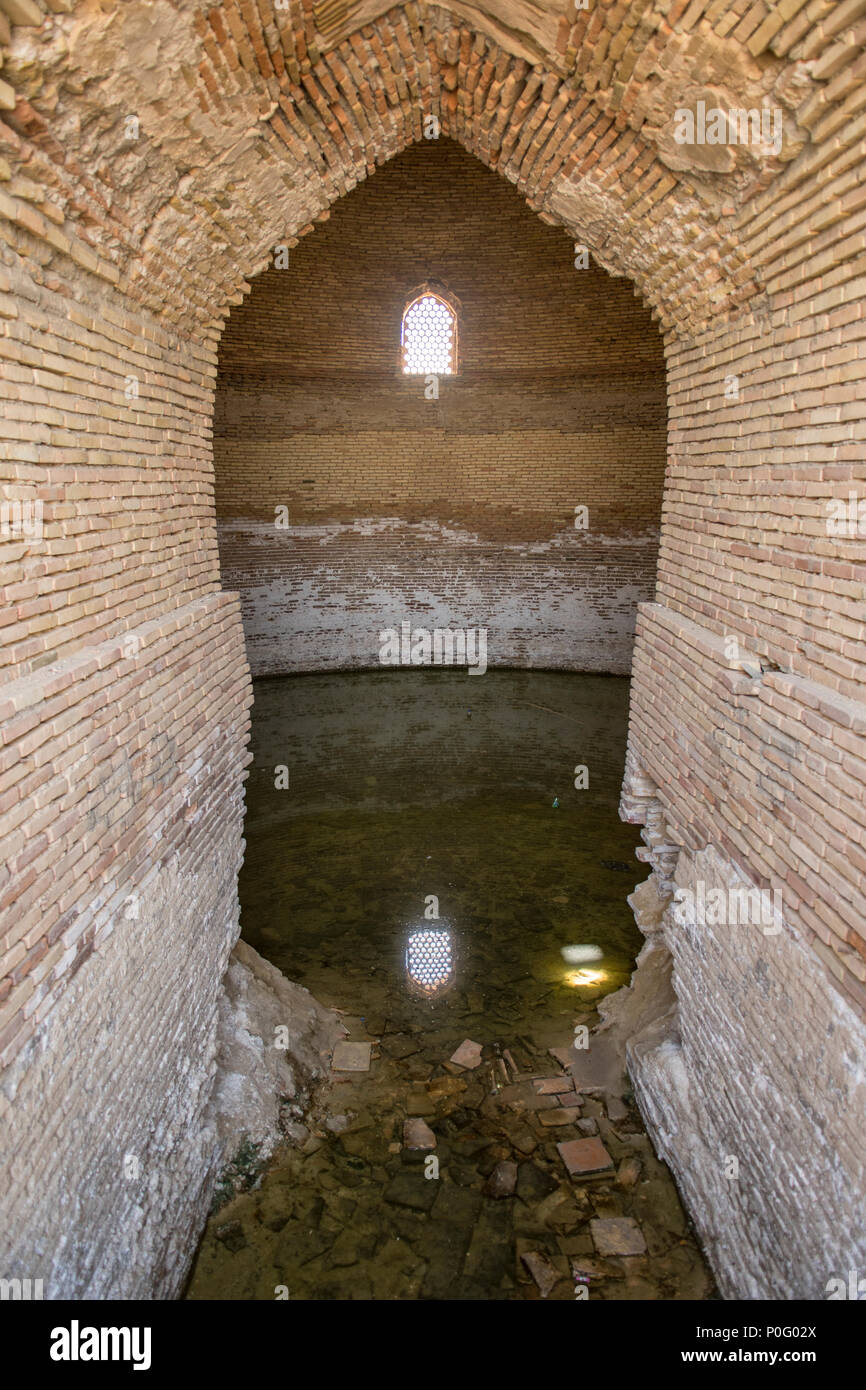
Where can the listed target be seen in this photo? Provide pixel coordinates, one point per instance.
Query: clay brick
(105, 278)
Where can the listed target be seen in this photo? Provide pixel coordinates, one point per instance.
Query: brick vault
(151, 157)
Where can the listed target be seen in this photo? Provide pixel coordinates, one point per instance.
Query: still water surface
(410, 785)
(422, 872)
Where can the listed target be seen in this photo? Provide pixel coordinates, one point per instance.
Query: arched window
(429, 336)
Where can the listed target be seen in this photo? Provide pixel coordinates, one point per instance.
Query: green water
(423, 801)
(411, 785)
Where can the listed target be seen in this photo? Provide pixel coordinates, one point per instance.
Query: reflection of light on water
(429, 960)
(576, 955)
(586, 977)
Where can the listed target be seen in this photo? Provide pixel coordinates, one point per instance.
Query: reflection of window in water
(429, 961)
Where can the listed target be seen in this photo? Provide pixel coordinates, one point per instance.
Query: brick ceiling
(252, 120)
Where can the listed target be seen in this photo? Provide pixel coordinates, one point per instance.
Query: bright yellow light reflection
(586, 977)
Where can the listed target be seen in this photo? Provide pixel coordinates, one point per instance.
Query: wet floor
(439, 856)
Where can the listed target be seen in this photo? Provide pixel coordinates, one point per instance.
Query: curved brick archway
(151, 156)
(463, 509)
(183, 192)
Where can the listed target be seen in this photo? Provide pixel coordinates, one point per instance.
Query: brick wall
(454, 512)
(123, 725)
(121, 253)
(754, 1090)
(747, 755)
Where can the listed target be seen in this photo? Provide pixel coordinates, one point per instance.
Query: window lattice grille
(428, 337)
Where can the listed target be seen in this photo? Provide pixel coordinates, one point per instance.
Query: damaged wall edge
(275, 1043)
(747, 1066)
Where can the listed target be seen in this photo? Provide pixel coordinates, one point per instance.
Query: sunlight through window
(429, 337)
